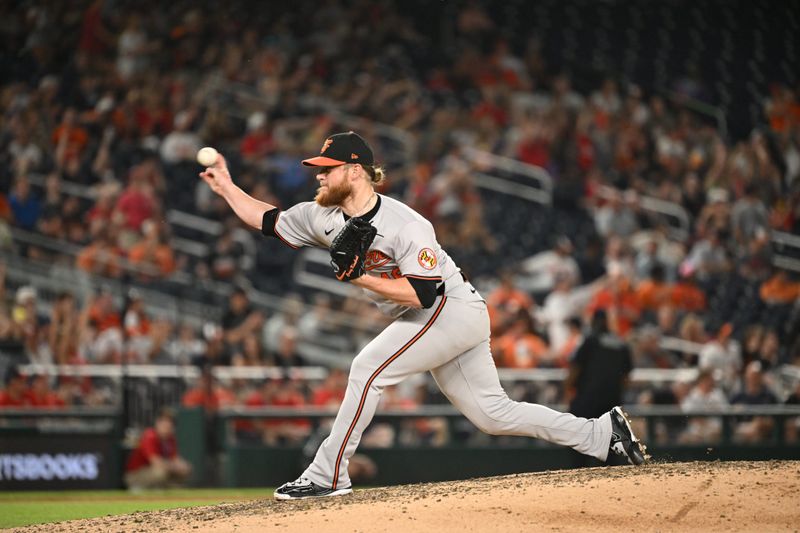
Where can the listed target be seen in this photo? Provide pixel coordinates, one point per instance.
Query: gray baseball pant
(451, 340)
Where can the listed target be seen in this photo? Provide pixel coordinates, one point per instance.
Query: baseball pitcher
(440, 325)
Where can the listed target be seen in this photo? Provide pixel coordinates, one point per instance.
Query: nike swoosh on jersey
(328, 231)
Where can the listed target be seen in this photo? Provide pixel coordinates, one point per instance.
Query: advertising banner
(57, 461)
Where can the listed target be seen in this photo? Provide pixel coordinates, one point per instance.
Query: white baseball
(207, 156)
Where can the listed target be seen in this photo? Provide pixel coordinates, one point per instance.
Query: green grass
(27, 508)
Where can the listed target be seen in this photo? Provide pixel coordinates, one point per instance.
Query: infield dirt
(718, 496)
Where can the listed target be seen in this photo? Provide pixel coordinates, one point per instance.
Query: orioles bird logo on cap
(325, 145)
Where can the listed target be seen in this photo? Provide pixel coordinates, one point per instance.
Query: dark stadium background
(623, 127)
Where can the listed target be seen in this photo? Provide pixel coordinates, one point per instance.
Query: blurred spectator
(505, 302)
(25, 205)
(180, 145)
(100, 215)
(708, 257)
(155, 463)
(686, 295)
(652, 292)
(105, 343)
(755, 257)
(287, 355)
(217, 351)
(519, 346)
(144, 339)
(241, 319)
(136, 203)
(648, 352)
(598, 373)
(184, 347)
(64, 332)
(208, 393)
(152, 256)
(539, 273)
(289, 317)
(715, 215)
(257, 142)
(722, 354)
(616, 217)
(287, 431)
(132, 48)
(251, 353)
(754, 392)
(330, 392)
(574, 338)
(704, 396)
(15, 393)
(769, 351)
(27, 321)
(618, 299)
(779, 289)
(26, 155)
(319, 322)
(749, 215)
(564, 303)
(70, 138)
(102, 257)
(41, 395)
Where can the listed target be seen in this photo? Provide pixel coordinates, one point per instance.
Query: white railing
(176, 372)
(189, 372)
(194, 222)
(673, 211)
(780, 240)
(542, 193)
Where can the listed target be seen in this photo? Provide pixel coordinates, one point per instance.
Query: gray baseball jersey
(449, 339)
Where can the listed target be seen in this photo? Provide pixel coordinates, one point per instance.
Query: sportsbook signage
(49, 462)
(33, 467)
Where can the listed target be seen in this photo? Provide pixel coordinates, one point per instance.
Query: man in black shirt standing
(598, 374)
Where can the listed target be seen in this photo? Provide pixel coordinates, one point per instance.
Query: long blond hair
(376, 173)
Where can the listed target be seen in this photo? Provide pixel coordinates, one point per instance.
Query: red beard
(333, 195)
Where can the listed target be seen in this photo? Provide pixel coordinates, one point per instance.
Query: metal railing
(425, 411)
(714, 112)
(188, 372)
(652, 416)
(541, 192)
(676, 216)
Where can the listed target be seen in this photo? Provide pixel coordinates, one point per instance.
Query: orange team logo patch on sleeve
(325, 145)
(427, 259)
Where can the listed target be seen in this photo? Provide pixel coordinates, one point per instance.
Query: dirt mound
(720, 496)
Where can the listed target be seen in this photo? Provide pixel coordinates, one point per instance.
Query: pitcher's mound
(720, 496)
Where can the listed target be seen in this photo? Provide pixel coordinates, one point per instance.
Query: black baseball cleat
(623, 441)
(303, 488)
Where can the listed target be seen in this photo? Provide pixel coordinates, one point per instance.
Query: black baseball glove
(349, 249)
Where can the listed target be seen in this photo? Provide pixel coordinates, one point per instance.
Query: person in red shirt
(41, 395)
(15, 393)
(208, 394)
(331, 392)
(288, 430)
(256, 430)
(155, 463)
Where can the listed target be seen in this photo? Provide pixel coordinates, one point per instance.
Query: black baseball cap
(341, 149)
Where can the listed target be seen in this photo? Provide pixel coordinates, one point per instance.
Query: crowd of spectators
(117, 98)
